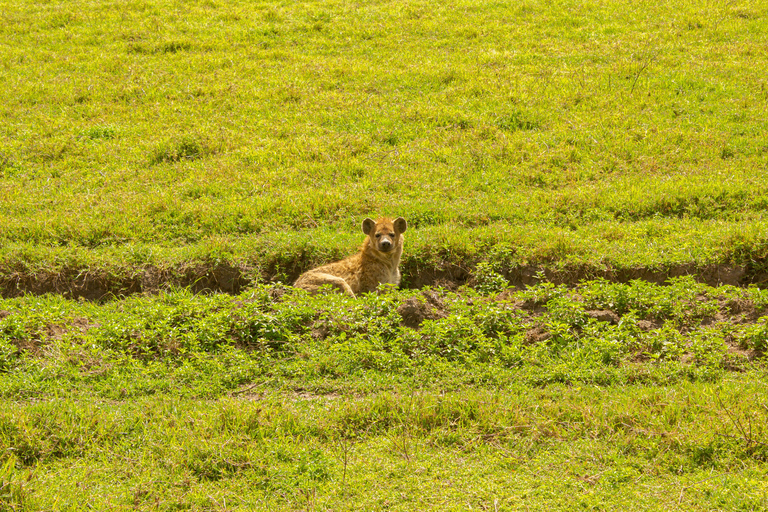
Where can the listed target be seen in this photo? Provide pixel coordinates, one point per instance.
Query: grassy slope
(156, 135)
(155, 142)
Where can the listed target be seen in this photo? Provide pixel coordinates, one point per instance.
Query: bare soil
(229, 278)
(427, 306)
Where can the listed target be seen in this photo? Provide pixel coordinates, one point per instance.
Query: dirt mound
(427, 306)
(604, 316)
(537, 335)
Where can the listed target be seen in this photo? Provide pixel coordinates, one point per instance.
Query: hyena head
(385, 233)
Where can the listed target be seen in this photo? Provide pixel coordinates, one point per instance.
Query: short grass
(606, 136)
(563, 449)
(605, 396)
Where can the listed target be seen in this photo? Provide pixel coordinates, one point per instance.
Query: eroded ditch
(96, 285)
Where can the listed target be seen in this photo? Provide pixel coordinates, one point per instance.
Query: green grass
(643, 450)
(606, 159)
(611, 396)
(603, 136)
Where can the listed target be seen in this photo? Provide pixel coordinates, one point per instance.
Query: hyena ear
(368, 225)
(400, 225)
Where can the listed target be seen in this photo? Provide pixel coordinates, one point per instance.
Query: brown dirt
(35, 342)
(428, 306)
(649, 325)
(604, 316)
(320, 331)
(230, 278)
(536, 335)
(448, 276)
(741, 311)
(95, 285)
(713, 275)
(57, 331)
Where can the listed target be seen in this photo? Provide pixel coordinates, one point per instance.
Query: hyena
(375, 263)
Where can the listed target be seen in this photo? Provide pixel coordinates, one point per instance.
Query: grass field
(159, 138)
(582, 324)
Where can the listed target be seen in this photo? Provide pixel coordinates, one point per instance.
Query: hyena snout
(385, 244)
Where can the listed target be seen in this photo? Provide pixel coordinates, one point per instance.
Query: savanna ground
(582, 323)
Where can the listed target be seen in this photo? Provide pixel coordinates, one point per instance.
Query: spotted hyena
(375, 263)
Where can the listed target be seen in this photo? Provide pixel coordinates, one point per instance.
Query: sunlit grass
(150, 150)
(138, 124)
(619, 396)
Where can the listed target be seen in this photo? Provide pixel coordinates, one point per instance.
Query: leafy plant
(488, 280)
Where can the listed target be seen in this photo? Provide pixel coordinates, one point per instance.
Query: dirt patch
(649, 325)
(57, 331)
(91, 286)
(605, 316)
(320, 331)
(100, 285)
(537, 335)
(428, 306)
(448, 276)
(741, 311)
(276, 293)
(305, 395)
(34, 340)
(738, 357)
(713, 275)
(532, 307)
(199, 278)
(736, 311)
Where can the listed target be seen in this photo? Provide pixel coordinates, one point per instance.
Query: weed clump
(516, 121)
(187, 148)
(488, 280)
(105, 132)
(9, 168)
